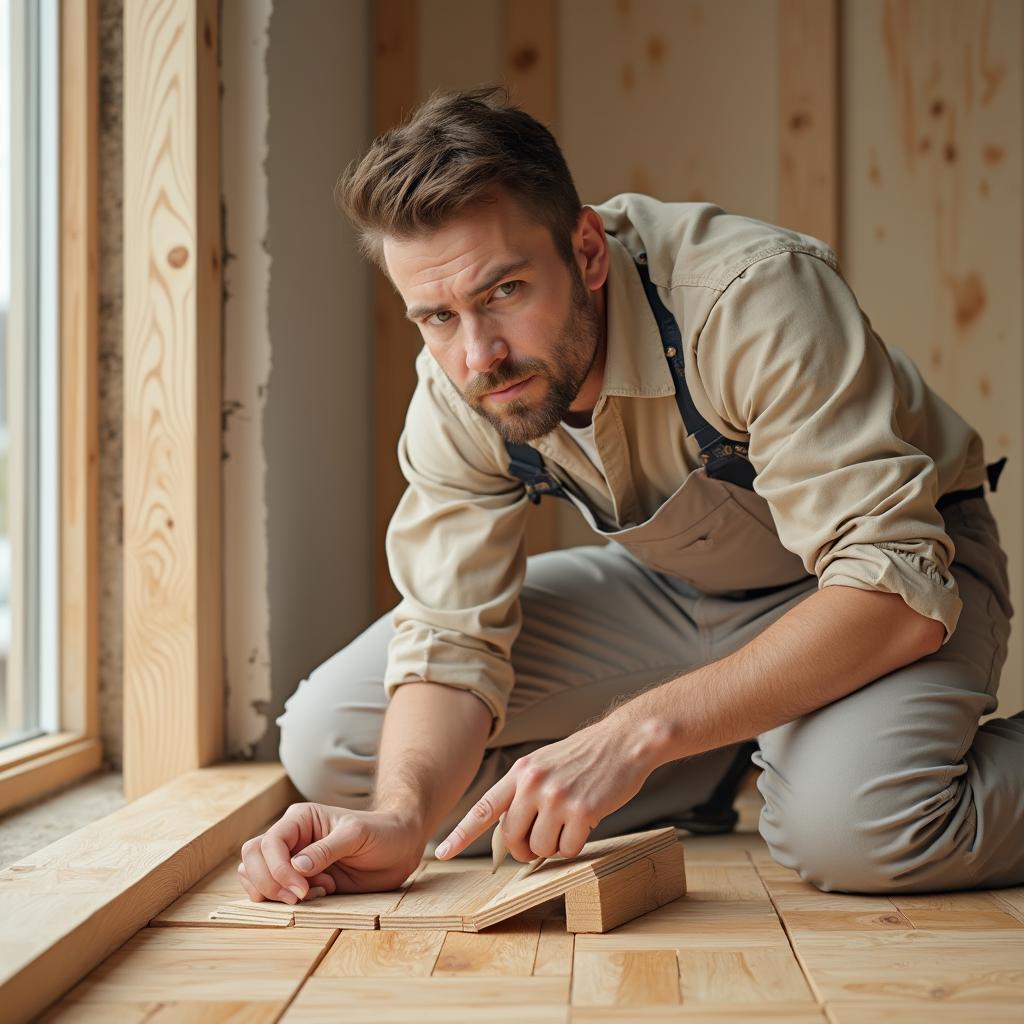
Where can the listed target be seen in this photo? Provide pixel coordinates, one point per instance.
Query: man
(800, 548)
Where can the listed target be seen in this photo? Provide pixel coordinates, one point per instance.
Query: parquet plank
(431, 1001)
(720, 882)
(554, 951)
(366, 954)
(632, 978)
(705, 1013)
(741, 976)
(930, 1012)
(1012, 899)
(509, 949)
(915, 966)
(247, 973)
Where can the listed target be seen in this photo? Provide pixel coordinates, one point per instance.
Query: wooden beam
(808, 118)
(395, 26)
(78, 899)
(529, 52)
(79, 348)
(173, 679)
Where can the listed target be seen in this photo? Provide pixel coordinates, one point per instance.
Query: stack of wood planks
(612, 880)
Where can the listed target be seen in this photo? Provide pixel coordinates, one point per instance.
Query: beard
(572, 356)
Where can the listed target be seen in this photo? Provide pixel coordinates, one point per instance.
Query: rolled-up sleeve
(788, 356)
(456, 552)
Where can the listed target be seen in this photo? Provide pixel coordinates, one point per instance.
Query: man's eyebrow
(416, 312)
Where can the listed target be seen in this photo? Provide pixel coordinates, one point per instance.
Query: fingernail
(442, 850)
(301, 863)
(287, 896)
(315, 891)
(299, 894)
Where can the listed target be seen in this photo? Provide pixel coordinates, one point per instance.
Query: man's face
(514, 329)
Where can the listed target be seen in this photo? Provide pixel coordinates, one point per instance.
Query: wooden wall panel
(809, 177)
(395, 28)
(529, 55)
(673, 98)
(172, 351)
(932, 219)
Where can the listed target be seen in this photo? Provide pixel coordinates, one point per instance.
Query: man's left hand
(554, 796)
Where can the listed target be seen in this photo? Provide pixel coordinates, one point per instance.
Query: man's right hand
(345, 851)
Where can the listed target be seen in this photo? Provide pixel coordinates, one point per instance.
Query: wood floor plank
(742, 976)
(509, 949)
(705, 1013)
(554, 951)
(634, 978)
(918, 967)
(927, 1013)
(431, 1001)
(725, 882)
(166, 1013)
(1012, 899)
(193, 967)
(366, 954)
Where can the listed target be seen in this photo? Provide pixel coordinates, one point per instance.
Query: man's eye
(442, 312)
(509, 284)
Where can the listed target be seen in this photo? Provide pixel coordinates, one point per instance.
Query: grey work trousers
(893, 788)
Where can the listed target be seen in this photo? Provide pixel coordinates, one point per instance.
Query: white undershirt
(584, 437)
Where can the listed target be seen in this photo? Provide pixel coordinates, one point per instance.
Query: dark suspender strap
(723, 458)
(528, 465)
(672, 343)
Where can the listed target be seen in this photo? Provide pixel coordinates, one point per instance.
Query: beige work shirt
(852, 449)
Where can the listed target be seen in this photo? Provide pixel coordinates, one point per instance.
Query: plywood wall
(932, 104)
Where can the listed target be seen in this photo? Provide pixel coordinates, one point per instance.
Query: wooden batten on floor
(71, 904)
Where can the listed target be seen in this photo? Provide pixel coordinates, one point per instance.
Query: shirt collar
(635, 365)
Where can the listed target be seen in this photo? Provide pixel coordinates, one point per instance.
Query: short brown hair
(449, 154)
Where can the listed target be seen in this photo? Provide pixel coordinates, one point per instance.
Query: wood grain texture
(634, 890)
(509, 949)
(933, 217)
(79, 349)
(80, 898)
(182, 973)
(395, 27)
(173, 684)
(616, 978)
(808, 118)
(529, 52)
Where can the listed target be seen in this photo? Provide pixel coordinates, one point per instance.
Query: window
(29, 381)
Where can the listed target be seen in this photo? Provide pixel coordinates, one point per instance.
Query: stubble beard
(572, 357)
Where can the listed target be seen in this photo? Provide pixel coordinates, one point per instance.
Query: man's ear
(591, 248)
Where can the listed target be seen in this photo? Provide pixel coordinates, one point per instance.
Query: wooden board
(81, 897)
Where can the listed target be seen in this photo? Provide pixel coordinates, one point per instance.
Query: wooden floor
(749, 942)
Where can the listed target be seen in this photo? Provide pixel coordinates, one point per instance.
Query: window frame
(35, 766)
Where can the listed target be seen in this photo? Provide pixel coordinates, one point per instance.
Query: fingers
(323, 887)
(276, 846)
(482, 815)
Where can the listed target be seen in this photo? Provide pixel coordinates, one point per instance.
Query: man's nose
(484, 348)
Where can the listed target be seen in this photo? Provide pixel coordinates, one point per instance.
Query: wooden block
(637, 889)
(556, 877)
(628, 978)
